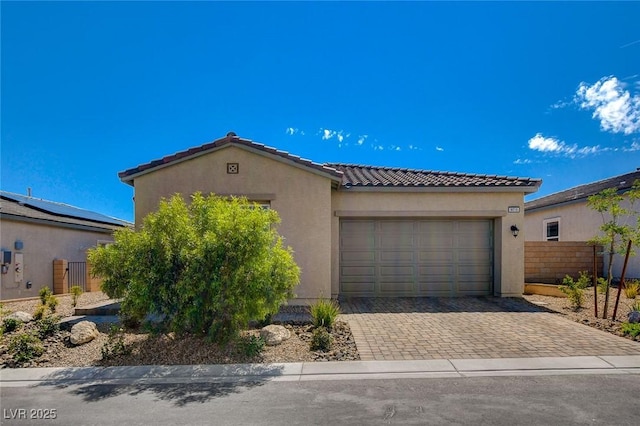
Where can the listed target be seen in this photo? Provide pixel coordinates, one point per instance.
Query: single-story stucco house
(565, 216)
(362, 230)
(37, 232)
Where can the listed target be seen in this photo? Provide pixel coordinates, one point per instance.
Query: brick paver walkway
(484, 327)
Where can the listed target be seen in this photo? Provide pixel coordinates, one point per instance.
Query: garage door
(416, 257)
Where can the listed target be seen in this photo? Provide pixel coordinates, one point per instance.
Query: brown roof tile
(370, 176)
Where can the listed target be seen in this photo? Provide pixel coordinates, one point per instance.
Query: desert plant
(25, 347)
(48, 326)
(632, 329)
(52, 303)
(250, 345)
(75, 291)
(575, 289)
(44, 294)
(631, 289)
(321, 339)
(207, 267)
(115, 345)
(602, 285)
(40, 312)
(324, 312)
(10, 324)
(636, 306)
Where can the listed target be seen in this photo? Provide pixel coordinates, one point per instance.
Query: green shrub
(324, 313)
(115, 345)
(52, 303)
(632, 330)
(631, 289)
(602, 285)
(10, 325)
(48, 326)
(636, 306)
(75, 291)
(40, 312)
(25, 347)
(321, 339)
(207, 267)
(44, 294)
(575, 289)
(250, 346)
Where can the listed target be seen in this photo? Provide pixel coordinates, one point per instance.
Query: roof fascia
(440, 189)
(39, 221)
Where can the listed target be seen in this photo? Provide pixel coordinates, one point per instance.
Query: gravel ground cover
(145, 348)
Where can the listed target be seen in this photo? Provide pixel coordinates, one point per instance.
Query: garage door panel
(358, 256)
(396, 256)
(416, 257)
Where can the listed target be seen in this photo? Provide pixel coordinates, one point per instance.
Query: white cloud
(293, 131)
(327, 134)
(439, 148)
(361, 139)
(560, 104)
(635, 146)
(556, 146)
(519, 161)
(612, 105)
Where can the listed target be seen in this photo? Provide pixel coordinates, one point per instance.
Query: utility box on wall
(6, 257)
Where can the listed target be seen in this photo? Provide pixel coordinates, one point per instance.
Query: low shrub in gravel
(75, 291)
(575, 289)
(48, 326)
(631, 289)
(321, 340)
(44, 294)
(250, 346)
(39, 312)
(324, 312)
(52, 303)
(115, 345)
(632, 330)
(10, 325)
(25, 346)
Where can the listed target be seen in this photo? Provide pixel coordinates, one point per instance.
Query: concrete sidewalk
(302, 371)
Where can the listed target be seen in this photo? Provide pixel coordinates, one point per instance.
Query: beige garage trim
(416, 257)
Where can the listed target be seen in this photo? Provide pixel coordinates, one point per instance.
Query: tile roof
(370, 176)
(35, 208)
(233, 139)
(581, 193)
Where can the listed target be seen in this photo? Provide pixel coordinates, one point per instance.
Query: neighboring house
(565, 216)
(362, 230)
(35, 232)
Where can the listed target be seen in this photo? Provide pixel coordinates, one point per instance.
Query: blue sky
(548, 90)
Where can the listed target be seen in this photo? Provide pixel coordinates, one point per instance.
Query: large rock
(21, 316)
(83, 332)
(274, 334)
(634, 317)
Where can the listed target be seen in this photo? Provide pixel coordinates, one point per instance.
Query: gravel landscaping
(585, 315)
(145, 348)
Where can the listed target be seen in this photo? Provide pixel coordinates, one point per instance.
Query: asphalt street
(573, 399)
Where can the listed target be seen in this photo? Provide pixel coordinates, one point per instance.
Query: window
(551, 229)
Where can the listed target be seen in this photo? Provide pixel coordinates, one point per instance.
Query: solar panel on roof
(62, 209)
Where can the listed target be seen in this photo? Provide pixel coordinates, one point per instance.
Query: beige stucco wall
(509, 251)
(42, 244)
(577, 223)
(302, 199)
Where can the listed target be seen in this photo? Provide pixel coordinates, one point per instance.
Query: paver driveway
(478, 327)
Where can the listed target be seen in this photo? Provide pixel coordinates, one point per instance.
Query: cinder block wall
(549, 261)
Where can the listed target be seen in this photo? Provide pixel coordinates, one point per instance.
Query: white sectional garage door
(416, 257)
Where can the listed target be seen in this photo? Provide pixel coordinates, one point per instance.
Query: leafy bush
(206, 268)
(44, 294)
(25, 347)
(603, 285)
(251, 345)
(636, 306)
(321, 339)
(48, 326)
(10, 324)
(324, 312)
(75, 291)
(631, 289)
(52, 303)
(575, 289)
(115, 345)
(632, 330)
(40, 312)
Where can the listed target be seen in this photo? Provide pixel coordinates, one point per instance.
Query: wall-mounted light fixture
(514, 231)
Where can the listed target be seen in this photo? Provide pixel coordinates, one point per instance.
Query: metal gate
(77, 274)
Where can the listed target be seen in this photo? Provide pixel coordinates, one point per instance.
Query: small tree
(207, 268)
(617, 227)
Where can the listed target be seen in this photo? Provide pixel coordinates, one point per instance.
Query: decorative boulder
(83, 332)
(634, 317)
(21, 316)
(274, 334)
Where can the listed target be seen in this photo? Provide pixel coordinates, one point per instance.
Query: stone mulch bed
(146, 348)
(585, 315)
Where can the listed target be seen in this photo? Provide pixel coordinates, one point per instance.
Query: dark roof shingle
(581, 193)
(371, 176)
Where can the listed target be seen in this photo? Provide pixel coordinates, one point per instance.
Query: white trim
(545, 223)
